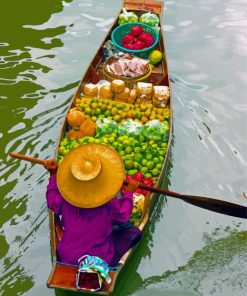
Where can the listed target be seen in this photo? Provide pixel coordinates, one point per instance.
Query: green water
(44, 48)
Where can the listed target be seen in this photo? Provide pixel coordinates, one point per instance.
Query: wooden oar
(212, 204)
(27, 158)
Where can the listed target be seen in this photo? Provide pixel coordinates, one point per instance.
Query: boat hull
(63, 276)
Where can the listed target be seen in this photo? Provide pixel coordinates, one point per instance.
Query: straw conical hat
(90, 175)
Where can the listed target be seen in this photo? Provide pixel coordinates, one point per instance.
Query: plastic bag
(156, 130)
(127, 17)
(105, 126)
(130, 128)
(92, 265)
(150, 19)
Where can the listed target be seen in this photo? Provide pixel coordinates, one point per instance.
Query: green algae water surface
(44, 48)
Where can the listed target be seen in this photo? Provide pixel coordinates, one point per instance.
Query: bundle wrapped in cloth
(161, 96)
(144, 92)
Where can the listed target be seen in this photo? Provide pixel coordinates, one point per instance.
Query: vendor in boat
(83, 191)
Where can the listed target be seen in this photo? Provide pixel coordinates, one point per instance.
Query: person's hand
(132, 186)
(51, 166)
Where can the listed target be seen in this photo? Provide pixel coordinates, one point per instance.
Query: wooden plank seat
(64, 275)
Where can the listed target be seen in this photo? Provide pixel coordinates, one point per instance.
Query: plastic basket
(119, 32)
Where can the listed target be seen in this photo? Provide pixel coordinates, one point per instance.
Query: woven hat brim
(100, 190)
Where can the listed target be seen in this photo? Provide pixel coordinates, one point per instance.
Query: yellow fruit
(160, 117)
(144, 119)
(155, 57)
(123, 115)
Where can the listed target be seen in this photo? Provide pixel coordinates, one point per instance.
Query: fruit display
(137, 39)
(139, 154)
(102, 108)
(127, 17)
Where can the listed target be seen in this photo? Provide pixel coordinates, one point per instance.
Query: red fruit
(136, 31)
(140, 44)
(130, 46)
(148, 42)
(145, 36)
(128, 178)
(138, 177)
(128, 39)
(147, 39)
(147, 181)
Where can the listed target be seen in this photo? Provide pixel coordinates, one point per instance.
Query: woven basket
(130, 82)
(119, 32)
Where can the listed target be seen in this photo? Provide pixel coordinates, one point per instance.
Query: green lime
(120, 146)
(129, 164)
(128, 156)
(61, 149)
(147, 175)
(111, 140)
(155, 172)
(88, 111)
(121, 139)
(132, 172)
(138, 115)
(137, 149)
(150, 164)
(128, 150)
(115, 145)
(149, 156)
(158, 166)
(107, 113)
(156, 160)
(138, 157)
(143, 162)
(121, 153)
(97, 111)
(143, 170)
(161, 152)
(136, 165)
(132, 142)
(120, 106)
(126, 142)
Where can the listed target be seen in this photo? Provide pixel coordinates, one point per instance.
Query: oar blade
(216, 205)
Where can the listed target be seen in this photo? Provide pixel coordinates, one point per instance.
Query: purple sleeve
(122, 208)
(53, 197)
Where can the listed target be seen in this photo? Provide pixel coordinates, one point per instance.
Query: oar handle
(27, 158)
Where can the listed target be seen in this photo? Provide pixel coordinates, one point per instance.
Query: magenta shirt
(87, 231)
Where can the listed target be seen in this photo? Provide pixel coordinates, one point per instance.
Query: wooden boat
(63, 276)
